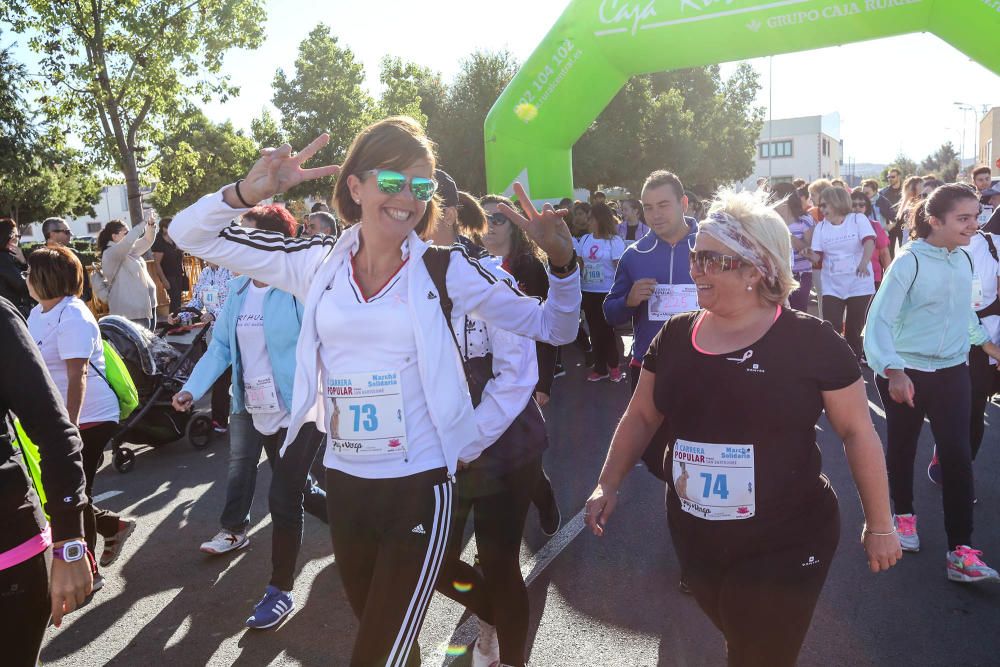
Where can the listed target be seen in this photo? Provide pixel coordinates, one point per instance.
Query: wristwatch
(70, 552)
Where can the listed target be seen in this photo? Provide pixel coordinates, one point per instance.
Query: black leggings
(602, 334)
(984, 377)
(389, 538)
(498, 596)
(944, 397)
(96, 520)
(24, 610)
(857, 309)
(762, 601)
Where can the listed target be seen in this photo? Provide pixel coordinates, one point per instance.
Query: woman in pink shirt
(860, 203)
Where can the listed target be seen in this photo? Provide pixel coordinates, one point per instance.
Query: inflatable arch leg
(597, 45)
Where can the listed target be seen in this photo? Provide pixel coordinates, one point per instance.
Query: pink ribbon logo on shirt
(593, 251)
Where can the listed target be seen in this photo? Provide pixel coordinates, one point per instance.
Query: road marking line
(876, 409)
(466, 633)
(104, 496)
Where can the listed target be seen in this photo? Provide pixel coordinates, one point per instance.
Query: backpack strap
(436, 260)
(992, 246)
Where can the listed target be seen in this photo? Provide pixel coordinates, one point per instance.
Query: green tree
(115, 71)
(39, 175)
(458, 128)
(944, 162)
(324, 94)
(265, 131)
(401, 91)
(906, 166)
(688, 121)
(198, 156)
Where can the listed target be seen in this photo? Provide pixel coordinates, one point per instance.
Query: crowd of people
(403, 344)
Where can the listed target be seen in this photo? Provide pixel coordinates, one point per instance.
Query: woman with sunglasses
(759, 524)
(377, 367)
(845, 242)
(599, 252)
(920, 328)
(13, 286)
(862, 203)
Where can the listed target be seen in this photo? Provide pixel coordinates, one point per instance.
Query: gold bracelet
(879, 534)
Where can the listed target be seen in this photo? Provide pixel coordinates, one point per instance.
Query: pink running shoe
(906, 529)
(594, 377)
(616, 375)
(966, 566)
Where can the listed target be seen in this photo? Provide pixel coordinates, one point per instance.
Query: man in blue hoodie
(653, 279)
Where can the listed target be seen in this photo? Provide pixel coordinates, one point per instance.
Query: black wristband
(570, 265)
(240, 196)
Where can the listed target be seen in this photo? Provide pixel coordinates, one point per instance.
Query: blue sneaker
(273, 607)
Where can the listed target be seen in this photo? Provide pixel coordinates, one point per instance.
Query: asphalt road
(612, 601)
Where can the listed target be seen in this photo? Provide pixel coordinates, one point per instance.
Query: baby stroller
(159, 367)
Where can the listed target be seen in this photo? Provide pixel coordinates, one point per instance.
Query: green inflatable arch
(596, 45)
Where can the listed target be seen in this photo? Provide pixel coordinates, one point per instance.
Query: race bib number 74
(714, 482)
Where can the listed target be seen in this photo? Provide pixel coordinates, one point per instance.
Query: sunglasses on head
(712, 262)
(497, 219)
(392, 183)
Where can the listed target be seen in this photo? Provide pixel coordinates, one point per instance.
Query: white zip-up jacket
(305, 267)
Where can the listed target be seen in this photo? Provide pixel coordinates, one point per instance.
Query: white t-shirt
(599, 257)
(69, 331)
(375, 335)
(986, 270)
(843, 248)
(257, 364)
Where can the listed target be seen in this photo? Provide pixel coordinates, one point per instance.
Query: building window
(93, 228)
(826, 147)
(776, 149)
(989, 152)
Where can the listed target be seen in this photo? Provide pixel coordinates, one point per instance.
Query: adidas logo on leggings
(419, 529)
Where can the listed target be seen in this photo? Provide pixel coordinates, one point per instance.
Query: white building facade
(113, 205)
(808, 147)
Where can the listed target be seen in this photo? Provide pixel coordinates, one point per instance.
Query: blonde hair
(768, 230)
(816, 188)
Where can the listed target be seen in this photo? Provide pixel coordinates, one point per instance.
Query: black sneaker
(558, 371)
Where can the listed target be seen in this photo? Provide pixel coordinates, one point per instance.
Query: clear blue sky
(878, 96)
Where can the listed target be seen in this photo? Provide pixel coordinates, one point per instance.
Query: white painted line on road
(876, 409)
(466, 633)
(104, 496)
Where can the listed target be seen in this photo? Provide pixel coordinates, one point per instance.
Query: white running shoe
(486, 652)
(225, 542)
(906, 530)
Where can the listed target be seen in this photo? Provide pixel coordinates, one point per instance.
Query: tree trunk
(131, 173)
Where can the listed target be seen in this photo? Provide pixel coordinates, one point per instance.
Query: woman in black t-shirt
(739, 386)
(170, 266)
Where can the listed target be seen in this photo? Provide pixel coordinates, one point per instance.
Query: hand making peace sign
(278, 170)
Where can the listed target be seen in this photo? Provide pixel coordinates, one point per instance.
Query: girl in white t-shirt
(599, 252)
(70, 342)
(845, 241)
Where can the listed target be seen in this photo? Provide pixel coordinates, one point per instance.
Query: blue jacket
(649, 257)
(922, 316)
(282, 322)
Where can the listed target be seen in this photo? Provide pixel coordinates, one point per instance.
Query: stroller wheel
(123, 460)
(199, 431)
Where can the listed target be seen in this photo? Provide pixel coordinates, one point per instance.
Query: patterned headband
(727, 230)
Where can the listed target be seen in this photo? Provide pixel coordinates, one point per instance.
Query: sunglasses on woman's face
(712, 262)
(497, 219)
(392, 183)
(858, 204)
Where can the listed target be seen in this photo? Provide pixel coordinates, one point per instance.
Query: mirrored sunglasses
(392, 183)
